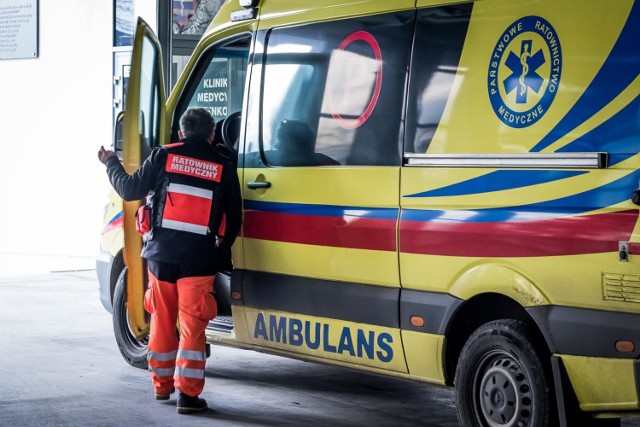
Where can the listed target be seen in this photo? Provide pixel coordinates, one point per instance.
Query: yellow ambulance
(435, 190)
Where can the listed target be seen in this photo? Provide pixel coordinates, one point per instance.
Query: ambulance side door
(143, 130)
(321, 163)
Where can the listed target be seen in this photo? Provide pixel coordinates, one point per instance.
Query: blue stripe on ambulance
(323, 210)
(618, 136)
(499, 181)
(607, 195)
(619, 70)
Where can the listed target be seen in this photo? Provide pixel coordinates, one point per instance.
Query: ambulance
(435, 190)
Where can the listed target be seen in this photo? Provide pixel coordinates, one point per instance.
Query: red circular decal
(359, 121)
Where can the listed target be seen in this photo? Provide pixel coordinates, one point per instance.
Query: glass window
(178, 64)
(149, 97)
(218, 84)
(440, 34)
(192, 17)
(333, 92)
(123, 25)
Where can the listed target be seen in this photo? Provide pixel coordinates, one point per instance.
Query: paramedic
(196, 212)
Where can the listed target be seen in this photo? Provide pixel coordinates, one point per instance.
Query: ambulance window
(149, 98)
(333, 92)
(439, 38)
(217, 83)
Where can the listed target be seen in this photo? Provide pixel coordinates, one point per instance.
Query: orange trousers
(174, 361)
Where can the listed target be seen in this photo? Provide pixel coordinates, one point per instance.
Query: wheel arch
(470, 316)
(490, 292)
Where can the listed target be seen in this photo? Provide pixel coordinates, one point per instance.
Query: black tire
(501, 378)
(133, 350)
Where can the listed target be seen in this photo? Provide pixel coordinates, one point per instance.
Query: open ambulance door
(144, 125)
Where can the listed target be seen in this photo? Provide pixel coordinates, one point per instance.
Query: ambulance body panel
(415, 171)
(109, 262)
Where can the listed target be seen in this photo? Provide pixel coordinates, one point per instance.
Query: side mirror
(118, 134)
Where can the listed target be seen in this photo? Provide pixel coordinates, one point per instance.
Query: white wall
(148, 10)
(55, 112)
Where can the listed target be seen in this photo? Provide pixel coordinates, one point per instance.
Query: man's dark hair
(197, 123)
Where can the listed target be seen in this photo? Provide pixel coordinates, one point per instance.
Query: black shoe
(165, 396)
(189, 405)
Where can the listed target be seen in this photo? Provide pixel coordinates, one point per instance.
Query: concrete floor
(59, 366)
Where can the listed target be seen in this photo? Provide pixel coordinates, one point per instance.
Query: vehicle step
(221, 324)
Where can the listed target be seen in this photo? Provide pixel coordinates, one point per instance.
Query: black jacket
(177, 246)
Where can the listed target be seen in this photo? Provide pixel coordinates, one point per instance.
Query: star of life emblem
(524, 71)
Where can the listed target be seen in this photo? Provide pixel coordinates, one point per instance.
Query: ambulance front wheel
(501, 379)
(133, 350)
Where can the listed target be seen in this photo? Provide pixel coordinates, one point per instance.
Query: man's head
(295, 135)
(197, 123)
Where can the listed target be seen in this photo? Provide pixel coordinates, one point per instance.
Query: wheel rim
(502, 391)
(137, 344)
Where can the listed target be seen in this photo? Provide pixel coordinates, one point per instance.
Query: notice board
(18, 29)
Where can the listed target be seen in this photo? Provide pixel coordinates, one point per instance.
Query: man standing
(196, 213)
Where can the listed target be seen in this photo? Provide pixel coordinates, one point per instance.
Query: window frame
(198, 71)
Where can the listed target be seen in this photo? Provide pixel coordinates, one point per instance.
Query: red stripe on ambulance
(572, 235)
(334, 231)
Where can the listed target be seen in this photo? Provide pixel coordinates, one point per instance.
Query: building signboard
(18, 29)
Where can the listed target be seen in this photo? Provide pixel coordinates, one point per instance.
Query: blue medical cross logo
(523, 71)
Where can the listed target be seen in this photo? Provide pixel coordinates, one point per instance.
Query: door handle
(254, 185)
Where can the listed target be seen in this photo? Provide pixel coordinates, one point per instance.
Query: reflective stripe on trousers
(190, 373)
(193, 356)
(153, 357)
(162, 372)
